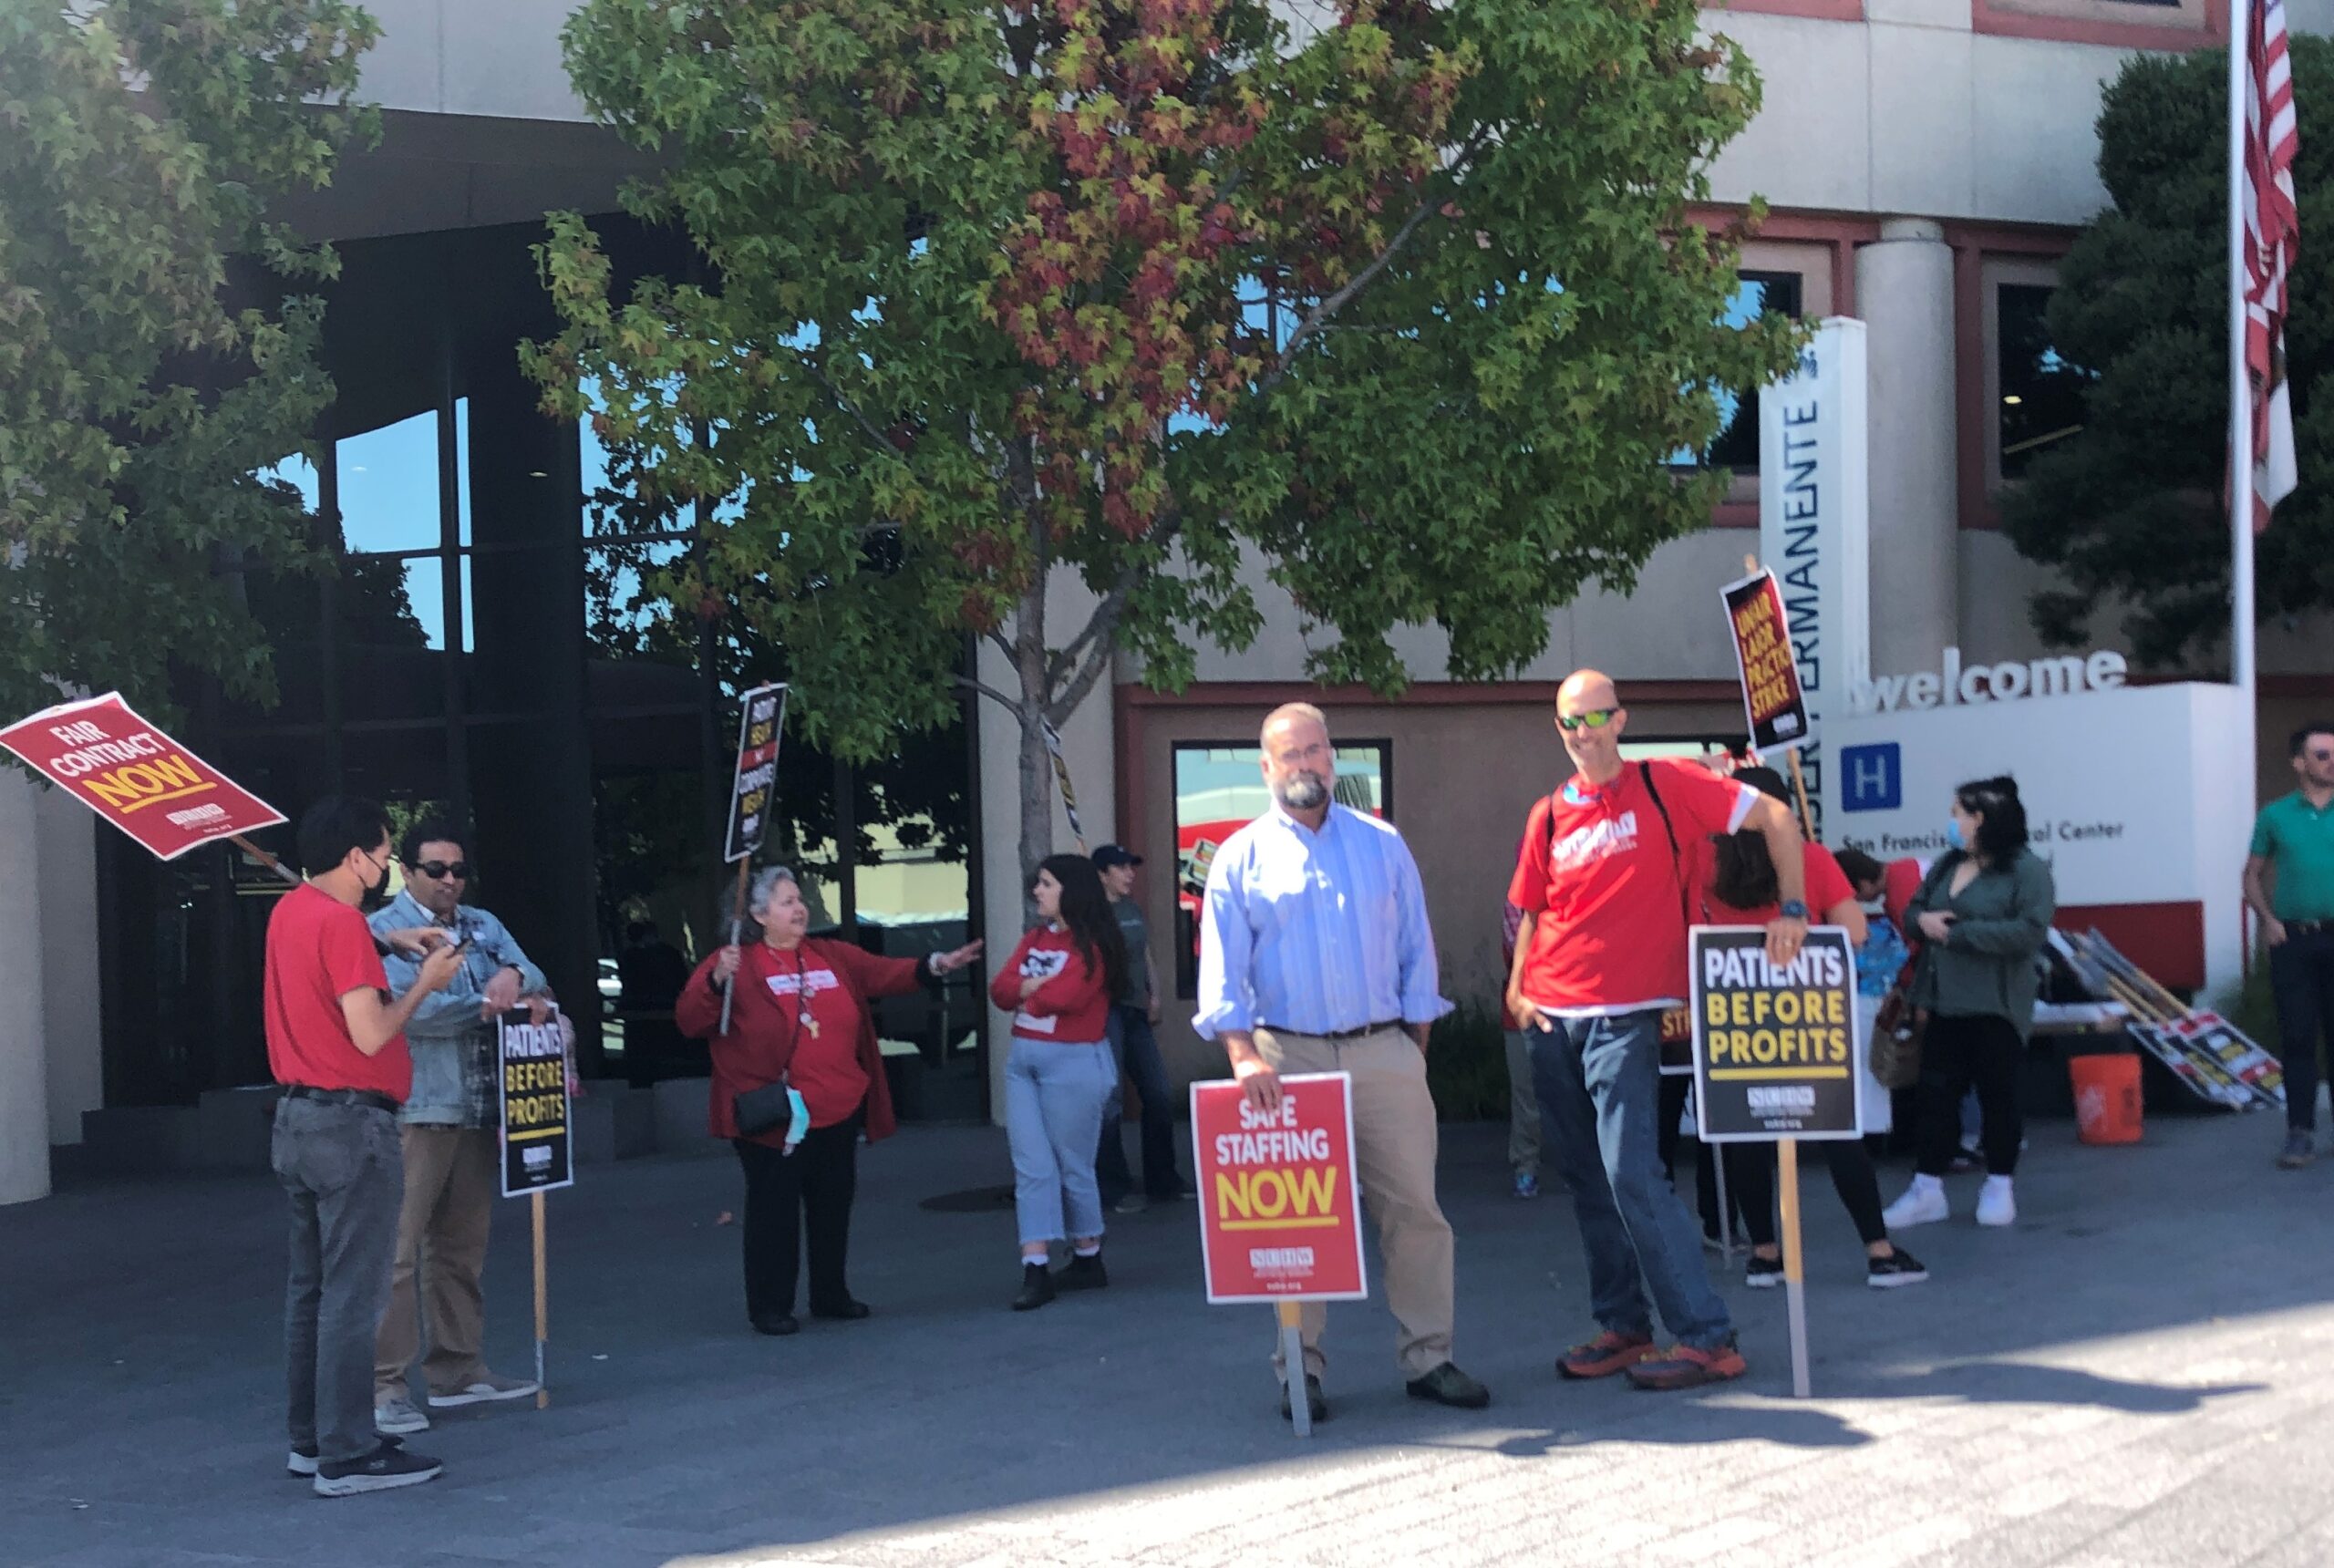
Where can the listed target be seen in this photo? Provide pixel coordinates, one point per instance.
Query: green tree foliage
(1047, 318)
(139, 396)
(2131, 511)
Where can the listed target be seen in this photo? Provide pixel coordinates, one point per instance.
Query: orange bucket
(2107, 1098)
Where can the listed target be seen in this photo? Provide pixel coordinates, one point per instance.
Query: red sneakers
(1607, 1354)
(1683, 1367)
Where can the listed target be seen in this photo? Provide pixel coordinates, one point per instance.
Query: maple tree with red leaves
(1116, 311)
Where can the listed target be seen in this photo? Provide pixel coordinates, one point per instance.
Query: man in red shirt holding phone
(1603, 882)
(337, 1043)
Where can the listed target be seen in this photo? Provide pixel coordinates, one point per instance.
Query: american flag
(2273, 241)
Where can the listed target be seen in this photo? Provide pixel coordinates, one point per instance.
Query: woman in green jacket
(1982, 914)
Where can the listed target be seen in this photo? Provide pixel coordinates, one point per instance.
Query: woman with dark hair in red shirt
(1061, 1075)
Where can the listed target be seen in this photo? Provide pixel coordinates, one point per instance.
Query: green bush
(1466, 1065)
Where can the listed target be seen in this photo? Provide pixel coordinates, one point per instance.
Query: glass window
(389, 485)
(1219, 788)
(2043, 396)
(1737, 447)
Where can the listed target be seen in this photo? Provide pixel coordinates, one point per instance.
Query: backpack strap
(1676, 856)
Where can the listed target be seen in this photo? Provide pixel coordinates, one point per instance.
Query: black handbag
(764, 1110)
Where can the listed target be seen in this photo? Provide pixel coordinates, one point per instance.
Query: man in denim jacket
(451, 1128)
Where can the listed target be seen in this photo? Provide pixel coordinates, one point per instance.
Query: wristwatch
(1793, 909)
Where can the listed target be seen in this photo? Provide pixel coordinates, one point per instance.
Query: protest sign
(1773, 699)
(760, 715)
(1774, 1049)
(537, 1153)
(135, 777)
(1279, 1218)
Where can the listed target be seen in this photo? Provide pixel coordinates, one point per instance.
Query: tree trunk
(1037, 762)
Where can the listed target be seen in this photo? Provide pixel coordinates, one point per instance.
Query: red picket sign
(1280, 1215)
(135, 777)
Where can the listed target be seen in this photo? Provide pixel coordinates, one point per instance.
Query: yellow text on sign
(1271, 1200)
(138, 785)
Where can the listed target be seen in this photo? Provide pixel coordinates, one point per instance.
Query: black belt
(2308, 927)
(1335, 1034)
(373, 1097)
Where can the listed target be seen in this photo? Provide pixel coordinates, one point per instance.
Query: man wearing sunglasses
(2289, 883)
(450, 1133)
(1602, 881)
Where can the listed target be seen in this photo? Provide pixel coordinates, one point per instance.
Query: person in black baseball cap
(1132, 1015)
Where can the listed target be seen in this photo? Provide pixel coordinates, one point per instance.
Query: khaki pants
(1394, 1151)
(451, 1189)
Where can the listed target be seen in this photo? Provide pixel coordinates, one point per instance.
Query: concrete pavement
(2133, 1375)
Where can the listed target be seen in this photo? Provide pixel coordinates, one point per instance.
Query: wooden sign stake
(1795, 1273)
(1291, 1357)
(543, 1306)
(736, 934)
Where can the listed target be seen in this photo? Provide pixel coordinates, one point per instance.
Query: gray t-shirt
(1136, 933)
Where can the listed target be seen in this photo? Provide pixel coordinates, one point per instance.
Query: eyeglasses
(434, 870)
(1595, 718)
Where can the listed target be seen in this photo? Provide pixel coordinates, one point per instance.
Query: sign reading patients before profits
(1774, 1048)
(1773, 703)
(135, 776)
(1279, 1219)
(761, 715)
(538, 1141)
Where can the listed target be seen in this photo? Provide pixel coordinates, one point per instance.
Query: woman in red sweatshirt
(1060, 1077)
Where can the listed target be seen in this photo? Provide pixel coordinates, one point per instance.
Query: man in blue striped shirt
(1317, 957)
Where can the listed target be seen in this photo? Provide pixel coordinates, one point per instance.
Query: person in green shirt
(2289, 883)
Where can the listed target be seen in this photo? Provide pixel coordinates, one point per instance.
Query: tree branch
(845, 404)
(1318, 317)
(990, 692)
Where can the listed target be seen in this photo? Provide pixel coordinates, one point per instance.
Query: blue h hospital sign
(1871, 778)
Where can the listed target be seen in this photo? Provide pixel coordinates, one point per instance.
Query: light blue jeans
(1055, 1092)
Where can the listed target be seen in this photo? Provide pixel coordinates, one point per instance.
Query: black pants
(1955, 1053)
(786, 1195)
(2302, 978)
(1676, 1088)
(1750, 1171)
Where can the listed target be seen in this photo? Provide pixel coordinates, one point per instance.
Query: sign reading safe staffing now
(538, 1141)
(135, 776)
(1774, 1049)
(760, 715)
(1772, 700)
(1280, 1216)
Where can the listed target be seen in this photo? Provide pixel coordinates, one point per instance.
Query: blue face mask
(1953, 833)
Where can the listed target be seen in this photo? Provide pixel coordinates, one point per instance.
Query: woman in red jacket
(799, 1017)
(1060, 1076)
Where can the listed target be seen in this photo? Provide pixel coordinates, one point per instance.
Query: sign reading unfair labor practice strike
(538, 1143)
(1279, 1219)
(135, 776)
(1772, 701)
(1774, 1049)
(761, 712)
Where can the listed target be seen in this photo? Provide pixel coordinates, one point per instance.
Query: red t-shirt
(1827, 888)
(1609, 893)
(825, 1065)
(319, 950)
(1073, 1005)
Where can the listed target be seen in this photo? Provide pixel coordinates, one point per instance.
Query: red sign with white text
(1280, 1213)
(135, 777)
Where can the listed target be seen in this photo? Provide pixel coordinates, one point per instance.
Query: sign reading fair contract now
(135, 776)
(1774, 1048)
(1280, 1218)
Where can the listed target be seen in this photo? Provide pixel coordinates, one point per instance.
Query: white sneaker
(1922, 1205)
(487, 1388)
(397, 1416)
(1996, 1205)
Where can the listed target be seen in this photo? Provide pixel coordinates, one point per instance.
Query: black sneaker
(2297, 1152)
(1037, 1286)
(1762, 1273)
(1084, 1273)
(1317, 1404)
(386, 1468)
(300, 1464)
(1899, 1268)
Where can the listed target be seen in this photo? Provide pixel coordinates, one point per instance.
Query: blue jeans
(1054, 1094)
(1600, 1096)
(1139, 1050)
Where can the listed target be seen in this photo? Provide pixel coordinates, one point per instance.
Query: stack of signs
(2215, 1059)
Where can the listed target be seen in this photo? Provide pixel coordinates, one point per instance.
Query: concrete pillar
(69, 981)
(23, 1050)
(1904, 294)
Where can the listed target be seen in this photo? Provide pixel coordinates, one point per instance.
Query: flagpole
(2240, 384)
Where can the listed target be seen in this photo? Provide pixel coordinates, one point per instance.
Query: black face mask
(377, 893)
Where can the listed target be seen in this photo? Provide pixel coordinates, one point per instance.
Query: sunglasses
(434, 870)
(1595, 718)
